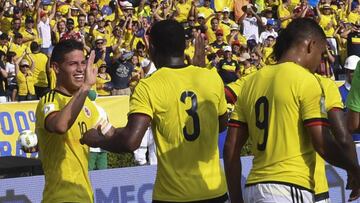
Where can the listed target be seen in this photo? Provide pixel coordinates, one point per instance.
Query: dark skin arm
(118, 140)
(326, 145)
(235, 141)
(344, 139)
(129, 138)
(353, 121)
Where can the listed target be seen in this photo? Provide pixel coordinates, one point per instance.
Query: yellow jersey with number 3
(64, 159)
(276, 103)
(184, 105)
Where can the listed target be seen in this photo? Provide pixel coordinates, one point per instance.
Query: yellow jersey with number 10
(64, 159)
(184, 105)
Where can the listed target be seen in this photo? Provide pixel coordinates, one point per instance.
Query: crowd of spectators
(239, 36)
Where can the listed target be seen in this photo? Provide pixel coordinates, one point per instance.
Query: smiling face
(71, 72)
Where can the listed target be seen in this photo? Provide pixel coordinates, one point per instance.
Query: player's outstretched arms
(117, 140)
(235, 140)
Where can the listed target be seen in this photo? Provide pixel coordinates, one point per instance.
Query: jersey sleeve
(333, 97)
(237, 117)
(312, 102)
(353, 99)
(140, 100)
(50, 104)
(222, 104)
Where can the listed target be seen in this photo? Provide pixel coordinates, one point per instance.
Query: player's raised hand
(90, 70)
(353, 184)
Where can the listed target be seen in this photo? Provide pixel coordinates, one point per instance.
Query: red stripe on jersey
(230, 95)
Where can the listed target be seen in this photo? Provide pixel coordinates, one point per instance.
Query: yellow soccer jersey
(40, 75)
(332, 100)
(283, 12)
(18, 49)
(184, 105)
(324, 21)
(99, 85)
(25, 83)
(183, 11)
(276, 104)
(29, 35)
(64, 159)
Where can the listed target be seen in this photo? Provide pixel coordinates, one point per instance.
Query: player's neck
(170, 62)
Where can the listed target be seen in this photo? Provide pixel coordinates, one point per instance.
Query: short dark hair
(64, 47)
(10, 55)
(34, 47)
(81, 15)
(297, 30)
(168, 38)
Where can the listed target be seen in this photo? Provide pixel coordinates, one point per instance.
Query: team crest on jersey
(87, 111)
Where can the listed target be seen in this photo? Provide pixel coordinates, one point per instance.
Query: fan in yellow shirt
(186, 107)
(28, 32)
(17, 45)
(25, 79)
(62, 116)
(102, 78)
(183, 8)
(41, 81)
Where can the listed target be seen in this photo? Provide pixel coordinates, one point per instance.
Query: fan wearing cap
(219, 42)
(269, 31)
(29, 33)
(353, 13)
(349, 66)
(101, 30)
(235, 35)
(44, 28)
(328, 23)
(228, 68)
(102, 78)
(251, 22)
(70, 32)
(226, 17)
(104, 52)
(25, 79)
(246, 67)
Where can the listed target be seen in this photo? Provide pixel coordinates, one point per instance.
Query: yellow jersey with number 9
(184, 105)
(276, 103)
(64, 159)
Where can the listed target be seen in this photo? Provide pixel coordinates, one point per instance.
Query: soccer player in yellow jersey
(186, 108)
(62, 116)
(282, 110)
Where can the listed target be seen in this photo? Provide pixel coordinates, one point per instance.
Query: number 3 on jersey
(263, 124)
(191, 112)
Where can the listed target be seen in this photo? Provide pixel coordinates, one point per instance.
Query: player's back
(185, 104)
(277, 102)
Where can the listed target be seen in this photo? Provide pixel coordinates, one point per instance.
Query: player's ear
(310, 46)
(56, 67)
